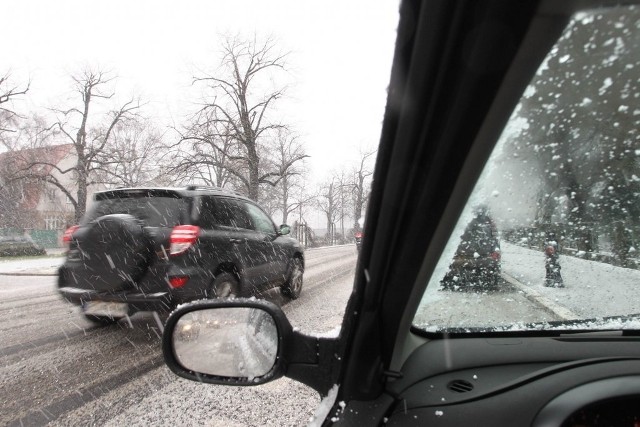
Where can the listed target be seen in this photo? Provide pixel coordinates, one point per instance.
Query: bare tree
(237, 106)
(9, 92)
(288, 194)
(89, 134)
(210, 153)
(13, 214)
(346, 190)
(89, 142)
(361, 177)
(328, 201)
(134, 156)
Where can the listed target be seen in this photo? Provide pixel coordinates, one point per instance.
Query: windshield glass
(549, 236)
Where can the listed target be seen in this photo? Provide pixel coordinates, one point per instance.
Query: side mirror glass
(232, 342)
(227, 342)
(285, 229)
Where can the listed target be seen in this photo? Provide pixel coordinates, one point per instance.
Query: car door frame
(446, 71)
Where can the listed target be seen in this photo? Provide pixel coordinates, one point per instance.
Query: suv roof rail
(210, 187)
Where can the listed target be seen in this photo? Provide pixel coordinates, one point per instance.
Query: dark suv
(149, 249)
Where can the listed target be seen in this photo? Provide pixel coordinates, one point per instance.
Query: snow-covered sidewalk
(37, 266)
(592, 289)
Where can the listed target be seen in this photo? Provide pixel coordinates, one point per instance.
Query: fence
(45, 238)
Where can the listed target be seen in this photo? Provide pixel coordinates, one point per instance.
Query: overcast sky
(339, 62)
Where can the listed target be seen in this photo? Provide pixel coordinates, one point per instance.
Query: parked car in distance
(358, 233)
(476, 263)
(358, 238)
(150, 249)
(19, 246)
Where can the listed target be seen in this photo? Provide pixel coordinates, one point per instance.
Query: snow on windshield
(549, 236)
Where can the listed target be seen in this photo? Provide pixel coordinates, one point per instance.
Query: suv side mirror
(244, 342)
(284, 229)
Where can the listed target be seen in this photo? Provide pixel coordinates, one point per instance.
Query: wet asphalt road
(58, 369)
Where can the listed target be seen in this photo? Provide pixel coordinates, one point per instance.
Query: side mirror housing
(245, 342)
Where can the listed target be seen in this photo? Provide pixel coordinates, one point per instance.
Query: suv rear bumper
(152, 291)
(137, 301)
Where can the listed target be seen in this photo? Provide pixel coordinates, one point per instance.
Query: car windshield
(549, 237)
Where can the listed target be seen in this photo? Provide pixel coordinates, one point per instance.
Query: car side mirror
(284, 229)
(244, 342)
(223, 342)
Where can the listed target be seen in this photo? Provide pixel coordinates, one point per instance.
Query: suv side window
(215, 213)
(261, 221)
(238, 215)
(223, 212)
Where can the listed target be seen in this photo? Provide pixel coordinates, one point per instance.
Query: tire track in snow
(58, 378)
(81, 396)
(40, 342)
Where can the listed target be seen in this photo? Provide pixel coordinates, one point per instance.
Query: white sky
(340, 57)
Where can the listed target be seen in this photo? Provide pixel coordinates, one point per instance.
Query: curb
(30, 273)
(534, 296)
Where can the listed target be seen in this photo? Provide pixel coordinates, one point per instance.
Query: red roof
(48, 156)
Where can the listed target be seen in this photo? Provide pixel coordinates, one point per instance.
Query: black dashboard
(554, 381)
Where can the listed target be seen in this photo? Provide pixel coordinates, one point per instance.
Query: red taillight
(182, 238)
(495, 255)
(178, 281)
(358, 235)
(68, 234)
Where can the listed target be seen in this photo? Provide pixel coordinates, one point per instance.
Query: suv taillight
(68, 234)
(182, 238)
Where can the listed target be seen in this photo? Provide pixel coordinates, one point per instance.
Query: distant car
(19, 246)
(358, 235)
(476, 263)
(150, 249)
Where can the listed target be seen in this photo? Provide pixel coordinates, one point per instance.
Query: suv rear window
(155, 211)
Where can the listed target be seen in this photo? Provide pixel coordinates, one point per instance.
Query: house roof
(51, 154)
(44, 160)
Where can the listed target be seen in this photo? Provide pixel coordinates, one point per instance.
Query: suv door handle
(234, 241)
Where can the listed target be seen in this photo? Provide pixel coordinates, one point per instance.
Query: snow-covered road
(58, 369)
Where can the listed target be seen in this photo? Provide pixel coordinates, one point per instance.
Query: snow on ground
(592, 289)
(27, 264)
(58, 369)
